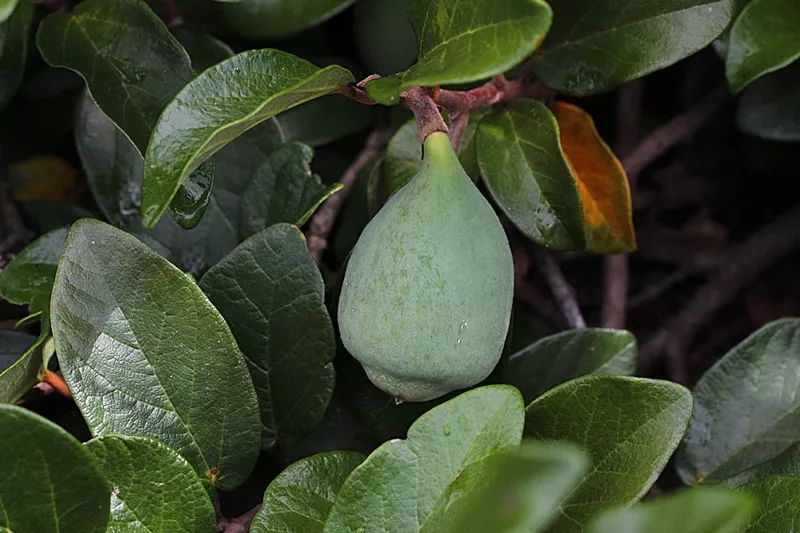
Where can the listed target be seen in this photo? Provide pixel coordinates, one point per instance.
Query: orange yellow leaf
(602, 182)
(42, 178)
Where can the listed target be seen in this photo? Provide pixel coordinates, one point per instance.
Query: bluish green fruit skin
(426, 298)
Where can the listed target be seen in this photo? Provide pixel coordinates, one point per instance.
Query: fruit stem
(420, 101)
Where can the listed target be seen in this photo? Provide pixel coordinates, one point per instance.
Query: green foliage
(416, 480)
(13, 48)
(262, 19)
(764, 38)
(21, 363)
(702, 510)
(301, 497)
(29, 277)
(741, 418)
(271, 293)
(629, 426)
(138, 341)
(464, 42)
(770, 108)
(528, 176)
(595, 46)
(183, 139)
(779, 497)
(166, 496)
(52, 484)
(559, 358)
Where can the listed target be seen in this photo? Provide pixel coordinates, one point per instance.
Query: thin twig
(741, 266)
(616, 269)
(323, 220)
(678, 130)
(58, 384)
(563, 292)
(421, 102)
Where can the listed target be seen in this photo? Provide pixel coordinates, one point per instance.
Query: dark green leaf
(132, 64)
(411, 482)
(383, 34)
(780, 500)
(770, 108)
(235, 95)
(324, 120)
(700, 510)
(270, 19)
(595, 46)
(20, 363)
(301, 497)
(525, 170)
(629, 426)
(764, 38)
(14, 50)
(32, 271)
(521, 492)
(50, 482)
(271, 293)
(204, 49)
(154, 488)
(114, 171)
(146, 354)
(558, 358)
(282, 189)
(463, 42)
(747, 406)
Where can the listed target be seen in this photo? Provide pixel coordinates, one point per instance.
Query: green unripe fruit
(426, 299)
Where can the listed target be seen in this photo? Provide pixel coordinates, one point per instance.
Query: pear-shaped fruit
(426, 299)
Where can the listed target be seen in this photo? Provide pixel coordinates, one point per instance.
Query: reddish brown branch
(421, 102)
(563, 292)
(677, 130)
(740, 267)
(322, 222)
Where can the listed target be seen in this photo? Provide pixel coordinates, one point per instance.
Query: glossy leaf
(14, 34)
(413, 480)
(325, 120)
(20, 363)
(602, 182)
(629, 426)
(301, 497)
(146, 354)
(747, 406)
(50, 482)
(770, 108)
(31, 273)
(271, 19)
(271, 293)
(764, 38)
(527, 174)
(282, 189)
(521, 492)
(114, 170)
(700, 510)
(553, 360)
(780, 499)
(191, 201)
(154, 488)
(235, 95)
(593, 47)
(132, 64)
(463, 42)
